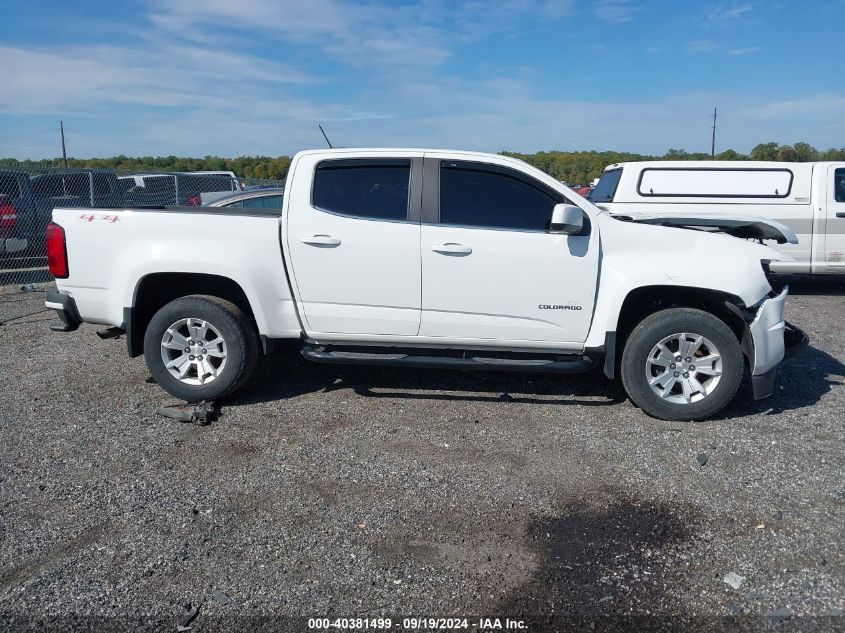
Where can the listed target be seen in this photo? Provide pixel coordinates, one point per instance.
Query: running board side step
(560, 363)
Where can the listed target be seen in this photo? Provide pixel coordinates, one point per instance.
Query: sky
(255, 77)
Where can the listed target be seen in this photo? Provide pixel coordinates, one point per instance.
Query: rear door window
(376, 190)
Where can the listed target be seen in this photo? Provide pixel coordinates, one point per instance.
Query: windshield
(605, 189)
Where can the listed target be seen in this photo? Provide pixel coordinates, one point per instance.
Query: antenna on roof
(325, 137)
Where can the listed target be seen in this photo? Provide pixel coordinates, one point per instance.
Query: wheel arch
(643, 301)
(155, 290)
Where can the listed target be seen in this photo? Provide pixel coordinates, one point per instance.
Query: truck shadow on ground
(613, 568)
(286, 374)
(801, 382)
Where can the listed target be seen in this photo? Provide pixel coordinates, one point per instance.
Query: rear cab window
(102, 185)
(605, 188)
(69, 185)
(9, 185)
(363, 188)
(160, 184)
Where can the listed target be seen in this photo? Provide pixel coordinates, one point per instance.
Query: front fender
(639, 256)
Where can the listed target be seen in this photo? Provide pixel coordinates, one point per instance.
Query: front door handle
(840, 214)
(450, 248)
(321, 240)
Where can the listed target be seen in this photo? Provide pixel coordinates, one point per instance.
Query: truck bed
(111, 251)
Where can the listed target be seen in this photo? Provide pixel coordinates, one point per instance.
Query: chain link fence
(28, 197)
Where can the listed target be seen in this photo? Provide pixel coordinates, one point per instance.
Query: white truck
(808, 199)
(426, 258)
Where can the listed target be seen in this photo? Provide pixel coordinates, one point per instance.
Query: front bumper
(773, 339)
(65, 307)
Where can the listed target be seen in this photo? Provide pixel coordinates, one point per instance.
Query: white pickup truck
(426, 258)
(804, 203)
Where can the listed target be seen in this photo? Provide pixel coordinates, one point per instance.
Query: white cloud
(744, 51)
(712, 46)
(701, 46)
(805, 108)
(162, 75)
(420, 35)
(482, 115)
(727, 11)
(614, 11)
(193, 84)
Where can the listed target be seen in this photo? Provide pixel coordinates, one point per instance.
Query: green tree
(805, 152)
(787, 154)
(765, 151)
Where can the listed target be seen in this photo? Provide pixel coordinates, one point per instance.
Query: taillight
(8, 215)
(194, 201)
(57, 251)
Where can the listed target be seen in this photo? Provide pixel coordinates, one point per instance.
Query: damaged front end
(743, 227)
(768, 340)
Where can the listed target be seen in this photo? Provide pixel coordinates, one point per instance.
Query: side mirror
(567, 218)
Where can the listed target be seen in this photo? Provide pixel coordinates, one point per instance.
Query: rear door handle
(320, 240)
(840, 214)
(450, 248)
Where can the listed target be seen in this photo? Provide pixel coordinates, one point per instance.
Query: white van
(808, 198)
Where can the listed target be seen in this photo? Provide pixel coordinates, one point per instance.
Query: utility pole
(64, 153)
(713, 140)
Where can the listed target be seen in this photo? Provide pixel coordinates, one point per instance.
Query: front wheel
(200, 347)
(682, 364)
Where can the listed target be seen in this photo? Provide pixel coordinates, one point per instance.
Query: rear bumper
(773, 340)
(65, 307)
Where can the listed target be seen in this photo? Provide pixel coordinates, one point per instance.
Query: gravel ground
(325, 491)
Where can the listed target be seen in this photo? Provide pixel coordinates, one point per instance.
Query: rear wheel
(200, 347)
(682, 364)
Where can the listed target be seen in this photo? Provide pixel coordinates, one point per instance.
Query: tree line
(580, 168)
(571, 167)
(243, 166)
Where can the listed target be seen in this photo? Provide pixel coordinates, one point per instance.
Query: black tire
(653, 329)
(233, 325)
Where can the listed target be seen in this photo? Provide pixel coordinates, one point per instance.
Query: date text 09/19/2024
(417, 623)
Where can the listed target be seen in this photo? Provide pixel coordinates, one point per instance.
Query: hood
(649, 254)
(746, 227)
